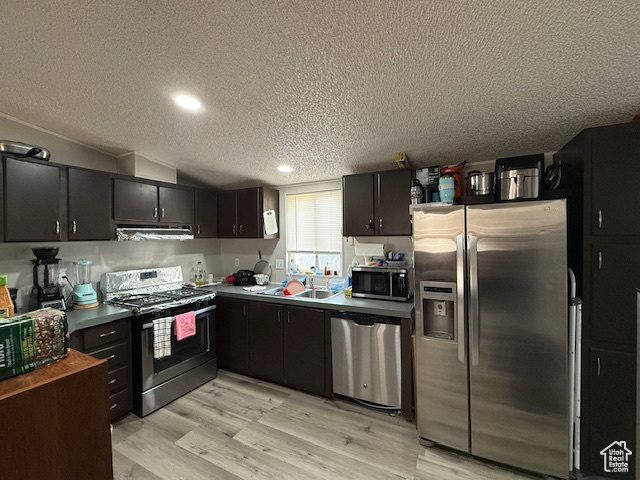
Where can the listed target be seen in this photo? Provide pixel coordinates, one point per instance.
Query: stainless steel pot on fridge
(479, 183)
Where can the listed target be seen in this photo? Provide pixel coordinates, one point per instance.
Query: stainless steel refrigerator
(492, 332)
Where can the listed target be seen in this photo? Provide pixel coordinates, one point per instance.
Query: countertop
(339, 302)
(104, 313)
(90, 317)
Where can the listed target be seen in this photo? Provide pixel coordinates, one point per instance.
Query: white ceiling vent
(140, 166)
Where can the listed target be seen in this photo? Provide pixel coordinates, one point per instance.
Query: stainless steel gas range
(164, 368)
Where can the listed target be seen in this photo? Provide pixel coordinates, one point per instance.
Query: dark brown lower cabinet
(232, 334)
(111, 342)
(305, 359)
(274, 342)
(265, 341)
(612, 416)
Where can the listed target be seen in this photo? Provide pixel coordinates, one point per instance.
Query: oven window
(376, 283)
(187, 347)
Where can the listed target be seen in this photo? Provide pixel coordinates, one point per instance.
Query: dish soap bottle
(198, 274)
(6, 304)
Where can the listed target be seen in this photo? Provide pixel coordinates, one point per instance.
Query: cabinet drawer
(118, 379)
(96, 337)
(115, 355)
(119, 404)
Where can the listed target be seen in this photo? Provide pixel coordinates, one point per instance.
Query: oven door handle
(146, 326)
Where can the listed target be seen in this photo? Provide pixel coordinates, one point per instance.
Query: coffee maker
(46, 291)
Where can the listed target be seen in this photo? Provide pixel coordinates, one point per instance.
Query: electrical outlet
(237, 262)
(279, 264)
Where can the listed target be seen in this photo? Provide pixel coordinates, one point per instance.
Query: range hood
(138, 233)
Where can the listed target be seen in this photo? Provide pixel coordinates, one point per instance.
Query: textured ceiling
(330, 87)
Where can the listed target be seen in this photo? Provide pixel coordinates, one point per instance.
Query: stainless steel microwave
(382, 283)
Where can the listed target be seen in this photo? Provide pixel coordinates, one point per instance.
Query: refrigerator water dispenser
(438, 300)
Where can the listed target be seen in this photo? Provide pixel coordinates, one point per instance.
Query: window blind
(314, 221)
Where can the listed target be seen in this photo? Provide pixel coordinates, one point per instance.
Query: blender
(83, 293)
(46, 291)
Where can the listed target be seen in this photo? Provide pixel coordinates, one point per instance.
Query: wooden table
(55, 422)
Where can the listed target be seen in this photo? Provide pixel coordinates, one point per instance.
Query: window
(314, 239)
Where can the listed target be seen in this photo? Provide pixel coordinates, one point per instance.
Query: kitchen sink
(316, 294)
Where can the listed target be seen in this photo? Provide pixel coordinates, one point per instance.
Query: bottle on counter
(198, 274)
(6, 304)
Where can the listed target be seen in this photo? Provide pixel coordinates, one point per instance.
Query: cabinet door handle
(240, 230)
(599, 260)
(380, 224)
(233, 229)
(278, 316)
(162, 212)
(599, 218)
(111, 382)
(110, 357)
(244, 310)
(74, 226)
(369, 225)
(108, 334)
(198, 230)
(113, 406)
(57, 227)
(598, 366)
(288, 317)
(155, 212)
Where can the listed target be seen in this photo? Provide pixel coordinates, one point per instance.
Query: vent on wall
(132, 233)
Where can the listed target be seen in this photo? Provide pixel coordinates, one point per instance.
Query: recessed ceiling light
(188, 102)
(285, 168)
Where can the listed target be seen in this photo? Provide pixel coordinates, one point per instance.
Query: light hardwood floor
(235, 427)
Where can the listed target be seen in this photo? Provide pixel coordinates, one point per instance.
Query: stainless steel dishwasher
(366, 357)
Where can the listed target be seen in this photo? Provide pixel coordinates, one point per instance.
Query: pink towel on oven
(185, 325)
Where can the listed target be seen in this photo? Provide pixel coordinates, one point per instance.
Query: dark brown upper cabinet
(615, 154)
(33, 198)
(89, 205)
(376, 204)
(240, 212)
(144, 202)
(206, 214)
(615, 275)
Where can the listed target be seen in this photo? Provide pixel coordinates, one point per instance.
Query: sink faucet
(311, 283)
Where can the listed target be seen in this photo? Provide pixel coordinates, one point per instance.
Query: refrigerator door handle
(460, 287)
(474, 330)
